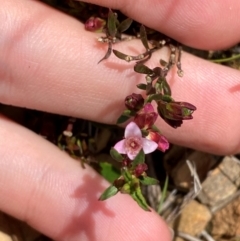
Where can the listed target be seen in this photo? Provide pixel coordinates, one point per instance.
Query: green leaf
(145, 180)
(129, 112)
(155, 97)
(115, 155)
(139, 159)
(163, 196)
(142, 86)
(163, 62)
(139, 198)
(126, 115)
(109, 51)
(167, 98)
(143, 36)
(112, 29)
(109, 192)
(109, 172)
(166, 88)
(122, 55)
(122, 119)
(124, 25)
(142, 69)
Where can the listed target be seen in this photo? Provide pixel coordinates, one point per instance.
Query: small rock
(226, 222)
(230, 166)
(181, 174)
(216, 188)
(178, 239)
(193, 219)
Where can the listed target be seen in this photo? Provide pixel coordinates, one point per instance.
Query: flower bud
(126, 189)
(134, 102)
(175, 112)
(95, 24)
(146, 117)
(140, 169)
(161, 140)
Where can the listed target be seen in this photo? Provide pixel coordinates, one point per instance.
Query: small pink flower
(134, 142)
(161, 140)
(146, 117)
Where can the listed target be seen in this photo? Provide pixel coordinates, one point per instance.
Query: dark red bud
(175, 112)
(134, 102)
(140, 169)
(95, 24)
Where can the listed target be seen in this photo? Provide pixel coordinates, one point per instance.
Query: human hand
(49, 62)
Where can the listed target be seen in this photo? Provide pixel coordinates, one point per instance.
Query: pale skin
(49, 63)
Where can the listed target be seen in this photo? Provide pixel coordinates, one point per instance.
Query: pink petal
(163, 144)
(131, 155)
(149, 146)
(132, 130)
(148, 108)
(120, 147)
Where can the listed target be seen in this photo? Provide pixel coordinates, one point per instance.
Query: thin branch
(207, 236)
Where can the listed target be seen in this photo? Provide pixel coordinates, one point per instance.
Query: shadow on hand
(83, 224)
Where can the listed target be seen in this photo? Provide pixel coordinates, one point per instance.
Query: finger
(53, 67)
(201, 24)
(51, 192)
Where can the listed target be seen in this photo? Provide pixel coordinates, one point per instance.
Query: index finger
(205, 24)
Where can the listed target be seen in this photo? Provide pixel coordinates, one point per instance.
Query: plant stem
(226, 59)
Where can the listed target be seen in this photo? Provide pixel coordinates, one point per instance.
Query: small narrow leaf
(167, 98)
(129, 112)
(163, 62)
(123, 56)
(145, 180)
(139, 159)
(158, 87)
(139, 198)
(126, 115)
(163, 196)
(155, 97)
(142, 86)
(122, 119)
(109, 192)
(143, 36)
(109, 51)
(166, 88)
(142, 69)
(109, 172)
(127, 175)
(115, 155)
(124, 25)
(112, 29)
